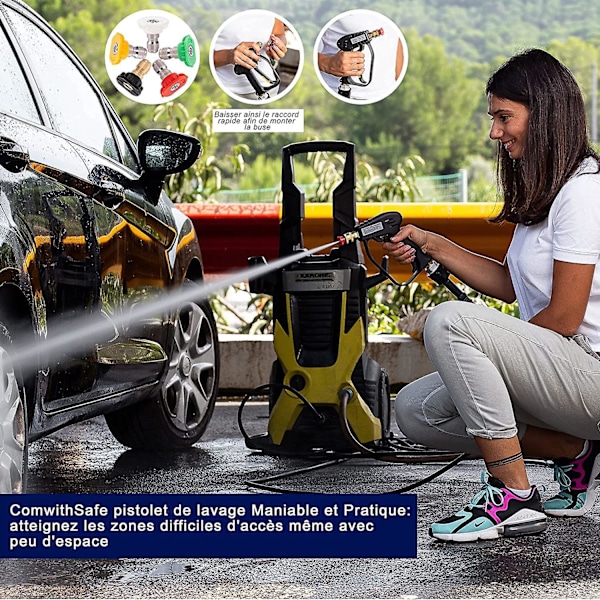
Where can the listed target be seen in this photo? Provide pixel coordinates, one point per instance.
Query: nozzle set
(171, 82)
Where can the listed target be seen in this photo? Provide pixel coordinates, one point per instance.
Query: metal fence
(436, 188)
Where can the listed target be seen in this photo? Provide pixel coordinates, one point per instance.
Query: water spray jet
(84, 331)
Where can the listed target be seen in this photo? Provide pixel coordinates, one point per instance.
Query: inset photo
(152, 56)
(256, 56)
(360, 56)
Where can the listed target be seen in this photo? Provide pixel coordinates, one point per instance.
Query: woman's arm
(571, 287)
(485, 275)
(399, 59)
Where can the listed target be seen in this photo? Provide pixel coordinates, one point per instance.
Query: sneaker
(578, 484)
(493, 512)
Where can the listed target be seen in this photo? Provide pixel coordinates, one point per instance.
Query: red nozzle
(171, 83)
(348, 237)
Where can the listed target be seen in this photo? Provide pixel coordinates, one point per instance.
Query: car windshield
(16, 98)
(73, 103)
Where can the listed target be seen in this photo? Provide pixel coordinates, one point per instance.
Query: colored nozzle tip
(348, 238)
(186, 50)
(132, 82)
(376, 33)
(171, 83)
(119, 49)
(153, 25)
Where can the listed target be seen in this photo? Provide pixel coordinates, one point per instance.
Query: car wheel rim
(191, 381)
(12, 429)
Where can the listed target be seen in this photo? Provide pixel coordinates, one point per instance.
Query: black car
(87, 235)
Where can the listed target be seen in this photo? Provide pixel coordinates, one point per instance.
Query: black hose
(261, 483)
(398, 457)
(385, 271)
(414, 457)
(265, 388)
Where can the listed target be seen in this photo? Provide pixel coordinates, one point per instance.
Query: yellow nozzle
(119, 49)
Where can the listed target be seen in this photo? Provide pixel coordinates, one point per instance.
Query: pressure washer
(356, 42)
(325, 393)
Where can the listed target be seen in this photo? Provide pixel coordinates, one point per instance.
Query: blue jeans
(495, 375)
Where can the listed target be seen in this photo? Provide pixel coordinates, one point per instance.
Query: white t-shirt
(255, 26)
(384, 49)
(570, 233)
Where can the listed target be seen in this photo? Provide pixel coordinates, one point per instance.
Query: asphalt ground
(562, 562)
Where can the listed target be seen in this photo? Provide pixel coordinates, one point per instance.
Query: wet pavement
(563, 562)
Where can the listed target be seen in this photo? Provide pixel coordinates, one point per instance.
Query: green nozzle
(186, 50)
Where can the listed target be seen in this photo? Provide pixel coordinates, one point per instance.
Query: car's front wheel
(13, 422)
(177, 416)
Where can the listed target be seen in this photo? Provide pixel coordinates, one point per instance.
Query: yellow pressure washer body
(320, 330)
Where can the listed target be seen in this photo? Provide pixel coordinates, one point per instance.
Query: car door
(47, 225)
(125, 259)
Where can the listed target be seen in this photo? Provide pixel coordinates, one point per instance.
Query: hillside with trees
(474, 30)
(439, 110)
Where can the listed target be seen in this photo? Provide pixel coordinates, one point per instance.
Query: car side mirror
(163, 152)
(12, 157)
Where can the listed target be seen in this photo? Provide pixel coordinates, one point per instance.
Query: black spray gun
(355, 42)
(263, 77)
(383, 227)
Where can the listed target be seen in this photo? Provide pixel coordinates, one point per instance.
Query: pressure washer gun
(355, 42)
(263, 77)
(385, 226)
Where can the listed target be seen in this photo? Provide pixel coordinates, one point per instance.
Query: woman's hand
(399, 250)
(245, 54)
(342, 64)
(276, 48)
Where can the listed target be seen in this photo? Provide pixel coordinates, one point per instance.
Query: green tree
(203, 180)
(395, 185)
(580, 57)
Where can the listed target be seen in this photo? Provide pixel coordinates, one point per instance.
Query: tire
(13, 422)
(179, 413)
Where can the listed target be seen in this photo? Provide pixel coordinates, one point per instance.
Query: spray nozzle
(120, 49)
(171, 82)
(380, 228)
(357, 41)
(132, 81)
(153, 26)
(184, 51)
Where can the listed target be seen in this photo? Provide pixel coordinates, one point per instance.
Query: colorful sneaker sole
(525, 522)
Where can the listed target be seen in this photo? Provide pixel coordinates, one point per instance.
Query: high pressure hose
(398, 456)
(410, 456)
